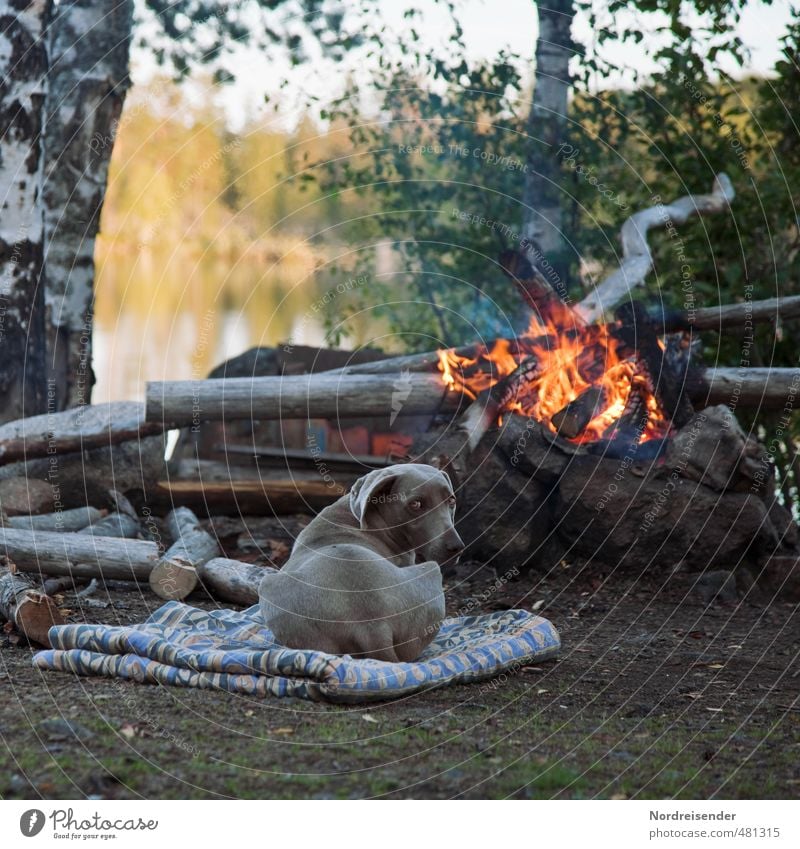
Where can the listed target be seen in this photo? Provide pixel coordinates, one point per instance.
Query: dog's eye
(416, 504)
(451, 502)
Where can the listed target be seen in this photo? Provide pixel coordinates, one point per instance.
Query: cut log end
(173, 579)
(35, 615)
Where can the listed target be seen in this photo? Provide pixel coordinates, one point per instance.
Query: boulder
(659, 519)
(503, 513)
(20, 496)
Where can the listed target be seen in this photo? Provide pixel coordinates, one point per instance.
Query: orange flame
(571, 362)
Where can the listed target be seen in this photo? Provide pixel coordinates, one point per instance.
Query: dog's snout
(454, 543)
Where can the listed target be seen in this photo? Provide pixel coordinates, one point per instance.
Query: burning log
(80, 429)
(232, 581)
(31, 612)
(622, 436)
(536, 291)
(637, 333)
(185, 402)
(637, 259)
(571, 421)
(452, 451)
(484, 410)
(175, 574)
(78, 555)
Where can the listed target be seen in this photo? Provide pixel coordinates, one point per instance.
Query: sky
(489, 26)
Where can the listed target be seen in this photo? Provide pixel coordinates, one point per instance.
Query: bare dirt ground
(657, 695)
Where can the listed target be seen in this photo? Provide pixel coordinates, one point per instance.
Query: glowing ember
(571, 362)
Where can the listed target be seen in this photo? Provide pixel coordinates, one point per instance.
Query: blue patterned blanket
(232, 650)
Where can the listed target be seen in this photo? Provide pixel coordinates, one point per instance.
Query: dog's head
(414, 504)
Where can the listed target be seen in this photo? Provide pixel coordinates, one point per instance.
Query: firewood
(571, 421)
(427, 361)
(175, 574)
(52, 586)
(451, 451)
(637, 258)
(72, 520)
(78, 555)
(636, 332)
(732, 315)
(484, 410)
(233, 581)
(257, 498)
(185, 402)
(114, 525)
(631, 424)
(667, 321)
(536, 290)
(79, 429)
(31, 612)
(300, 459)
(766, 388)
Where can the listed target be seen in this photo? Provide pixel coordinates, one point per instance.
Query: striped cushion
(232, 650)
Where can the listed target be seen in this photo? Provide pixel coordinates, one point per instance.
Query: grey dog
(364, 577)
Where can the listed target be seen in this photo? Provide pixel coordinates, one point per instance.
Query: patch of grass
(498, 748)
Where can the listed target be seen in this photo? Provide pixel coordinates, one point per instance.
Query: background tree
(543, 212)
(22, 327)
(88, 48)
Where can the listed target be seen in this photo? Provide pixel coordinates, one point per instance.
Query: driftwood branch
(637, 259)
(31, 612)
(175, 575)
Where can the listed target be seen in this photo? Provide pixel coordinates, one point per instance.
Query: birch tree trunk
(89, 47)
(547, 123)
(23, 67)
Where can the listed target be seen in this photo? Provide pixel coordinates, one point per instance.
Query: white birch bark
(542, 197)
(89, 51)
(23, 67)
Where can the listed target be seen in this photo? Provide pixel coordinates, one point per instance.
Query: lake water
(177, 318)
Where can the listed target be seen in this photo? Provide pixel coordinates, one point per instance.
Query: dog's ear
(365, 490)
(449, 481)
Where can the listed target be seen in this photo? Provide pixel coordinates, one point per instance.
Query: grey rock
(719, 585)
(59, 729)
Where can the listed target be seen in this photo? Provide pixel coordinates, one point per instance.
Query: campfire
(583, 387)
